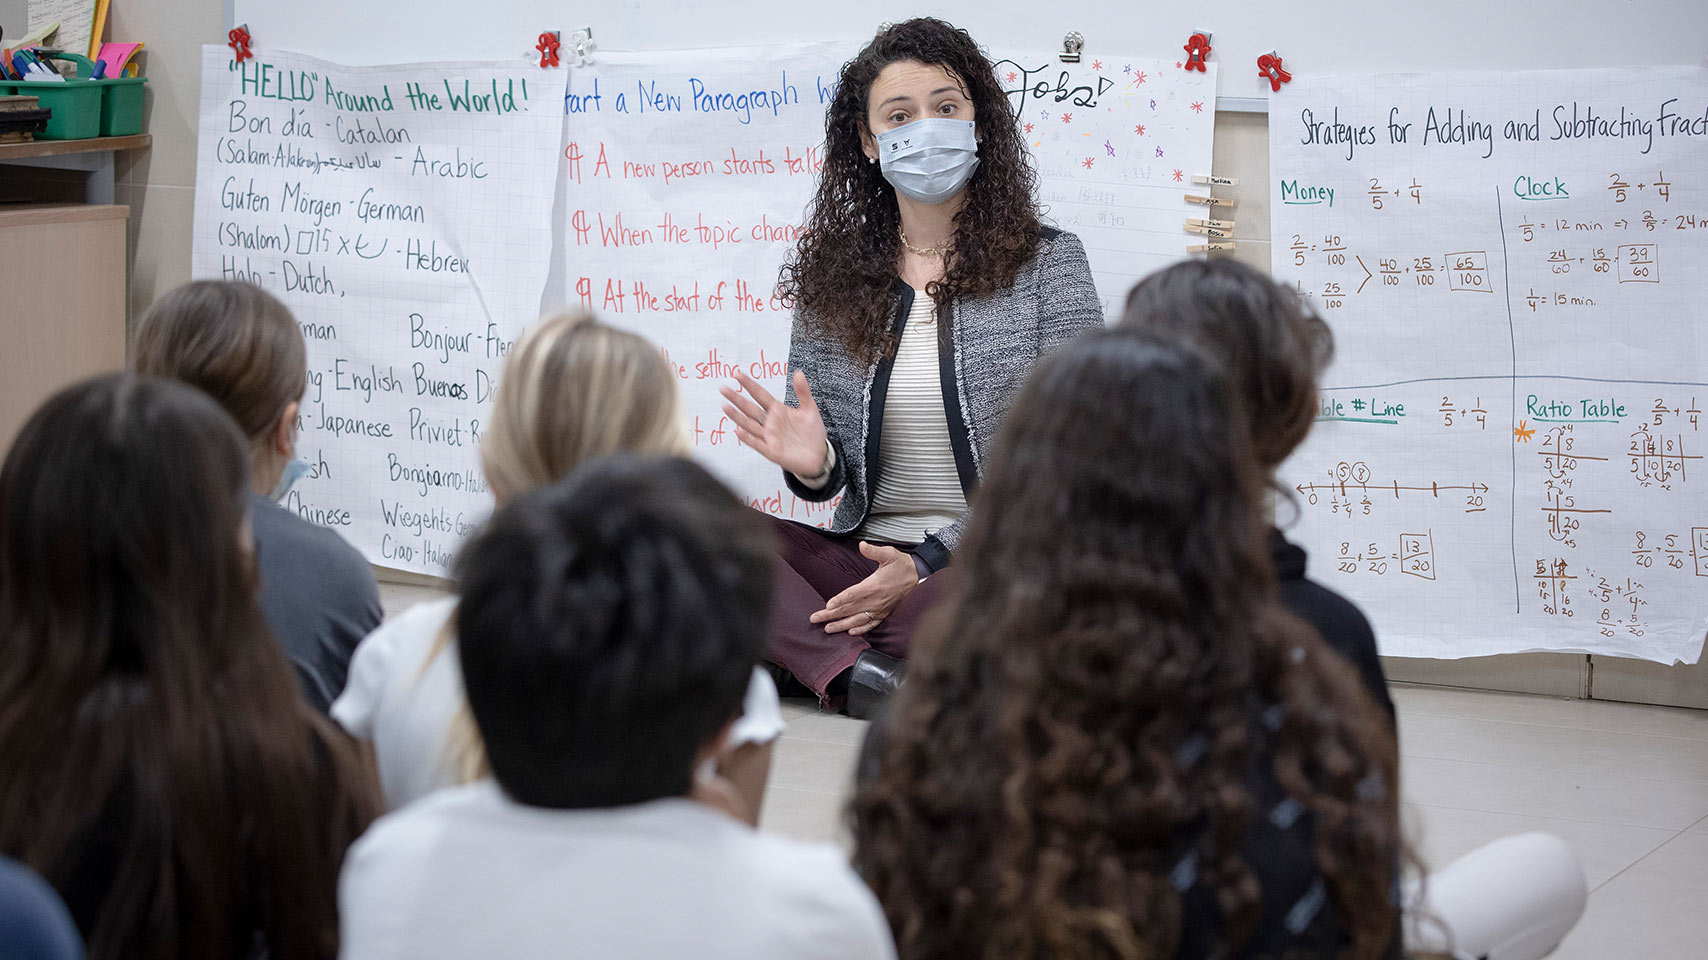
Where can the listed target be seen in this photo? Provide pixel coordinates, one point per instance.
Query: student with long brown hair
(157, 764)
(1520, 894)
(1116, 743)
(573, 390)
(1272, 347)
(237, 343)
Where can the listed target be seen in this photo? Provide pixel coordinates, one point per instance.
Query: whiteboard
(1313, 38)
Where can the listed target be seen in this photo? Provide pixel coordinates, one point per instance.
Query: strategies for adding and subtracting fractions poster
(1510, 448)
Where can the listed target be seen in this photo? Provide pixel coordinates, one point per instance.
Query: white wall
(14, 16)
(1311, 35)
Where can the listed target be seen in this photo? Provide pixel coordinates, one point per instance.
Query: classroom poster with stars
(1117, 141)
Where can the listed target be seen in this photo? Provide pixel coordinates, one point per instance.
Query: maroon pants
(813, 567)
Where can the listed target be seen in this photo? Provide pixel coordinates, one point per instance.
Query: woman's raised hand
(790, 437)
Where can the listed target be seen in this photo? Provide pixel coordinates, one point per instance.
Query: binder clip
(238, 40)
(548, 47)
(1197, 48)
(1072, 44)
(1269, 68)
(581, 41)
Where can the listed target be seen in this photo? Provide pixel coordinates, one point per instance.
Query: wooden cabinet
(62, 301)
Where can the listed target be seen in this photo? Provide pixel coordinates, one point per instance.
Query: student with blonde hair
(573, 390)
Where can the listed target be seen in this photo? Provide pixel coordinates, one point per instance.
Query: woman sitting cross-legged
(925, 288)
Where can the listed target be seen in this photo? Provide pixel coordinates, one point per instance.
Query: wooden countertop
(29, 214)
(55, 148)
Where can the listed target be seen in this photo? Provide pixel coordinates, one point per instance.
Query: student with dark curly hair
(1116, 742)
(925, 288)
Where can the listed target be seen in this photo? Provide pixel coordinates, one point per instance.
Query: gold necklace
(937, 252)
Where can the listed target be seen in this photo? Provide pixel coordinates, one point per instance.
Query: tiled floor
(1626, 786)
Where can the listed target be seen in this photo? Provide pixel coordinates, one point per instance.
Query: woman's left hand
(866, 604)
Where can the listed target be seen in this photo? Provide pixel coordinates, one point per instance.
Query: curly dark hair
(1110, 679)
(841, 274)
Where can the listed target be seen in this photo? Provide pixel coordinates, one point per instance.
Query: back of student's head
(608, 629)
(1272, 345)
(122, 521)
(1084, 711)
(1124, 459)
(234, 341)
(138, 679)
(574, 389)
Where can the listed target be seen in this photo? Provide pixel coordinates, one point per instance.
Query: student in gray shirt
(240, 345)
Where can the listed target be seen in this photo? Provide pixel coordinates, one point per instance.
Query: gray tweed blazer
(986, 349)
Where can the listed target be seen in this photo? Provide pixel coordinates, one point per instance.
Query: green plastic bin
(76, 106)
(121, 106)
(84, 108)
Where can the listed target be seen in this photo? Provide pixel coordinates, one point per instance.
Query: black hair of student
(158, 763)
(1270, 343)
(608, 627)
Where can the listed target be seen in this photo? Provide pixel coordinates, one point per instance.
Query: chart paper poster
(403, 213)
(689, 173)
(1509, 454)
(1117, 141)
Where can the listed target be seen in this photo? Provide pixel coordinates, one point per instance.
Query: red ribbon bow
(238, 41)
(548, 49)
(1269, 68)
(1197, 48)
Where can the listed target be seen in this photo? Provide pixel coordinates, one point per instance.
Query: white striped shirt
(918, 490)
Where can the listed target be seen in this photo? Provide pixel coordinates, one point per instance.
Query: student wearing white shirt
(605, 627)
(573, 390)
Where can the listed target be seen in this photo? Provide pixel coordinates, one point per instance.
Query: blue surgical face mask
(929, 160)
(294, 470)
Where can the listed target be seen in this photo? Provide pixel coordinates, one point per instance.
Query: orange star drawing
(1523, 434)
